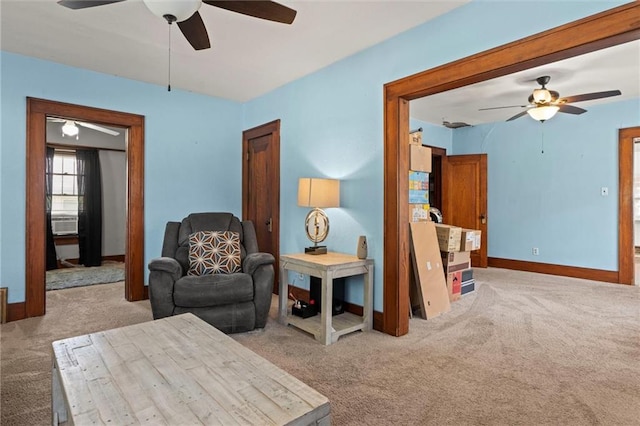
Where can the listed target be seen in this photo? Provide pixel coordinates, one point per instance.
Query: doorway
(261, 187)
(87, 242)
(592, 33)
(35, 267)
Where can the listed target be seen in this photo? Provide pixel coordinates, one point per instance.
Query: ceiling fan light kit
(544, 103)
(541, 96)
(173, 10)
(70, 129)
(543, 113)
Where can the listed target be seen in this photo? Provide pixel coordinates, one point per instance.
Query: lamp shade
(543, 113)
(320, 193)
(541, 96)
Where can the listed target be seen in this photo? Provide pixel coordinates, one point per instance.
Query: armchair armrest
(260, 266)
(165, 271)
(254, 260)
(168, 265)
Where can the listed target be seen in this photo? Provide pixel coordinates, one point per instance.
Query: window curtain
(89, 207)
(52, 258)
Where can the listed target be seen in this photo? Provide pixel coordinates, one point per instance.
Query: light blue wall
(332, 120)
(331, 126)
(544, 182)
(192, 149)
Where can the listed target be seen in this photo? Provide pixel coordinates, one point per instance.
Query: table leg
(326, 329)
(368, 298)
(283, 291)
(58, 406)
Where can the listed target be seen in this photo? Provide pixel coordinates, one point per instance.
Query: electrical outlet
(604, 191)
(535, 251)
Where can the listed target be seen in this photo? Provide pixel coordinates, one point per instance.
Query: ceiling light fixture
(543, 113)
(172, 11)
(178, 10)
(541, 96)
(70, 129)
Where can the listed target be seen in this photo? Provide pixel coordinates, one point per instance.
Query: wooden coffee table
(175, 371)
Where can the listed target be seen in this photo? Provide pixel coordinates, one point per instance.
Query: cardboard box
(467, 275)
(420, 158)
(454, 285)
(418, 180)
(418, 196)
(415, 138)
(470, 239)
(467, 287)
(427, 264)
(418, 187)
(455, 261)
(448, 237)
(419, 213)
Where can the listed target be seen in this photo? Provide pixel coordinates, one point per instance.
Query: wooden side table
(325, 328)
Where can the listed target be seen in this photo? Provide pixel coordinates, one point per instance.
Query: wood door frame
(599, 31)
(626, 252)
(272, 127)
(35, 257)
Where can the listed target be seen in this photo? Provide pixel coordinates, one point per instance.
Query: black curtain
(89, 207)
(52, 258)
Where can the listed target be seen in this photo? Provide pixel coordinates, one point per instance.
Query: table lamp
(318, 194)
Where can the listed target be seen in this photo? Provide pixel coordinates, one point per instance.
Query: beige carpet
(523, 349)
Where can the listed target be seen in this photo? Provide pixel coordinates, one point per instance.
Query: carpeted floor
(523, 349)
(79, 276)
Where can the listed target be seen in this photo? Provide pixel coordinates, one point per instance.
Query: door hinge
(247, 155)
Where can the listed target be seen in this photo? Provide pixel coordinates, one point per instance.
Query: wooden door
(261, 186)
(465, 197)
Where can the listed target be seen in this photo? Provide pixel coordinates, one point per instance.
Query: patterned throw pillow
(213, 252)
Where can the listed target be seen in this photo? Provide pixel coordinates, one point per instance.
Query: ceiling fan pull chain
(169, 77)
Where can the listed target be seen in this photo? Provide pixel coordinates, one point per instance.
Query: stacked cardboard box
(420, 167)
(456, 245)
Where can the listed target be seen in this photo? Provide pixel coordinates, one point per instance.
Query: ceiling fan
(185, 13)
(544, 103)
(70, 127)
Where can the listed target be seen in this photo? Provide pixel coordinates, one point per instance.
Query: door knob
(483, 219)
(269, 224)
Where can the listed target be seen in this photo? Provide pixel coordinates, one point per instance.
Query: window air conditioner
(64, 225)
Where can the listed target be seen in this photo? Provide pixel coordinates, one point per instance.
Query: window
(64, 200)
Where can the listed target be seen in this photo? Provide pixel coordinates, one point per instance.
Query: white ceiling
(248, 57)
(617, 67)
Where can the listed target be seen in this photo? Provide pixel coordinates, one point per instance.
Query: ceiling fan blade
(589, 96)
(570, 109)
(262, 9)
(510, 106)
(518, 115)
(83, 4)
(195, 32)
(98, 128)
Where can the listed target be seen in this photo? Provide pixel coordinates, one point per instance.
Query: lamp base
(315, 250)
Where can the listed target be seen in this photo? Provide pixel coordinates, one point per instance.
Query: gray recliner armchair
(234, 302)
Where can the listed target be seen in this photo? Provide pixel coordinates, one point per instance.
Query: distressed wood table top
(175, 371)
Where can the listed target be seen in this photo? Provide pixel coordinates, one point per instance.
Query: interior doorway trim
(35, 257)
(606, 29)
(626, 250)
